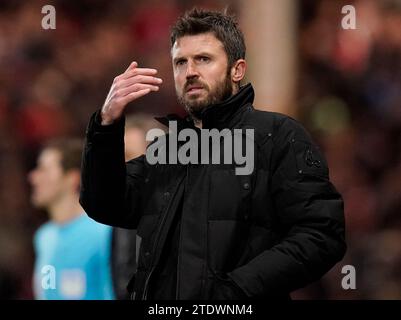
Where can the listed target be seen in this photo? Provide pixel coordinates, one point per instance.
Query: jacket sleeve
(109, 186)
(310, 213)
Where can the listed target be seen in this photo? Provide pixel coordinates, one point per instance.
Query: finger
(134, 95)
(138, 71)
(137, 87)
(140, 79)
(133, 65)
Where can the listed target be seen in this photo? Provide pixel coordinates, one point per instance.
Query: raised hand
(132, 84)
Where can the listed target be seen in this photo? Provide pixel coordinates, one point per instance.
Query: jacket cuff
(96, 129)
(115, 126)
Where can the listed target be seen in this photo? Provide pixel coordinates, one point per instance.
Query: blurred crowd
(349, 97)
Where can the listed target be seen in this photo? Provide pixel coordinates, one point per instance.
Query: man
(207, 232)
(72, 250)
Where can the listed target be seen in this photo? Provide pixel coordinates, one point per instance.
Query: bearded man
(204, 231)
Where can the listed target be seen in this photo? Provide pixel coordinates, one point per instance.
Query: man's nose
(192, 71)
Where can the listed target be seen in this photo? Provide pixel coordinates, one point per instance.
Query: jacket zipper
(145, 290)
(179, 241)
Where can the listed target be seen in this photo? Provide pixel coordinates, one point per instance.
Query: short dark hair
(223, 26)
(70, 150)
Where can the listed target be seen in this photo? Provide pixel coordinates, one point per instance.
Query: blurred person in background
(72, 250)
(124, 240)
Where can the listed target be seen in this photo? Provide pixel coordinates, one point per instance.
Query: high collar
(221, 115)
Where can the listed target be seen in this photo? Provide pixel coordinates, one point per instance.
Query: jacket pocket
(226, 241)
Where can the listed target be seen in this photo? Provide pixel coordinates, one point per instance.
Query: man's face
(48, 179)
(201, 72)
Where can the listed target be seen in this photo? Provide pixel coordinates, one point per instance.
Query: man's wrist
(105, 120)
(115, 126)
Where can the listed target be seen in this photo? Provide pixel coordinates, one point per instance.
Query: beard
(195, 105)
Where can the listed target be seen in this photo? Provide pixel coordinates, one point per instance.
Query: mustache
(192, 82)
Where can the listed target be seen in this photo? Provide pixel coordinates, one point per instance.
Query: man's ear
(238, 70)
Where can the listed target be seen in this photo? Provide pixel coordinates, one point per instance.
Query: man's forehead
(192, 44)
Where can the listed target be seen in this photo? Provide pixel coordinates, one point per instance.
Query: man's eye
(204, 59)
(180, 62)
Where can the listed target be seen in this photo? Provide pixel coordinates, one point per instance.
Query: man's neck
(65, 209)
(198, 122)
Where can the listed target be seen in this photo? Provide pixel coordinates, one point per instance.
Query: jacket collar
(220, 115)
